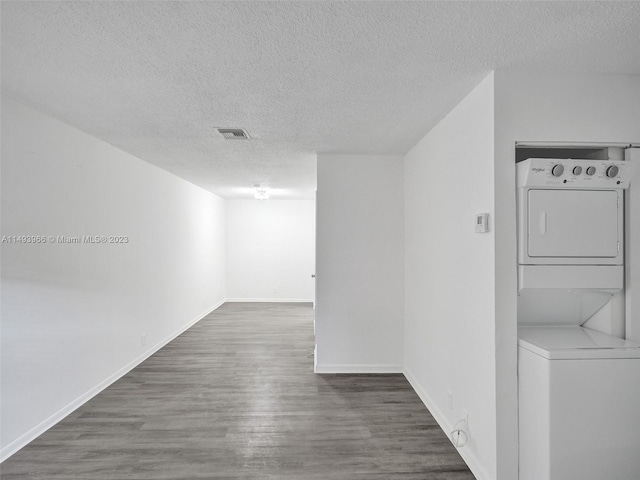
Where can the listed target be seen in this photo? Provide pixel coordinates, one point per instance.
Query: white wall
(575, 108)
(449, 274)
(359, 302)
(73, 315)
(632, 255)
(270, 250)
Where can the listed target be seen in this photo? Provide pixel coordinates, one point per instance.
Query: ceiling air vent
(234, 133)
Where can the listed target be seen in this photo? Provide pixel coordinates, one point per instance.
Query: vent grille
(234, 133)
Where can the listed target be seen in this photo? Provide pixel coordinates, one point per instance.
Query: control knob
(591, 170)
(612, 171)
(557, 170)
(577, 170)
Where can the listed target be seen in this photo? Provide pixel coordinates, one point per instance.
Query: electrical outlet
(143, 339)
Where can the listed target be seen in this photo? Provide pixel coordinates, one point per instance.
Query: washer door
(574, 223)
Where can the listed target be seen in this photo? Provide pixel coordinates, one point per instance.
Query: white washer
(579, 404)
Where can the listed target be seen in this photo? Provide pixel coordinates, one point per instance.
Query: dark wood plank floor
(235, 397)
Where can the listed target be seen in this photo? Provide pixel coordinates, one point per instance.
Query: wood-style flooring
(235, 397)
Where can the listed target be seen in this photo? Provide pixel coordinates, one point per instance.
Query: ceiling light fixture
(262, 192)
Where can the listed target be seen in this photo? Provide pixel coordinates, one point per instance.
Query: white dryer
(578, 388)
(570, 238)
(571, 211)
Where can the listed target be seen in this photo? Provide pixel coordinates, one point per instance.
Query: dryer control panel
(573, 173)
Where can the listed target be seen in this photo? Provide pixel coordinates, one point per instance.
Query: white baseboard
(45, 425)
(467, 455)
(268, 300)
(355, 368)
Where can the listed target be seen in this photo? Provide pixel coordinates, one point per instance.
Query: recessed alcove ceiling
(157, 79)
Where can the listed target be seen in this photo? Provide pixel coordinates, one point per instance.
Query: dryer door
(574, 224)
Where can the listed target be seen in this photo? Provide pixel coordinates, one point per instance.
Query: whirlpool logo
(538, 169)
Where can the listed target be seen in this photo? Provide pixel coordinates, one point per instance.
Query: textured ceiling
(156, 78)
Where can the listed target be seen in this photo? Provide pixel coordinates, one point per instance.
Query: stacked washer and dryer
(579, 388)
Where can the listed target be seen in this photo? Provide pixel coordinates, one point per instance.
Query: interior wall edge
(72, 406)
